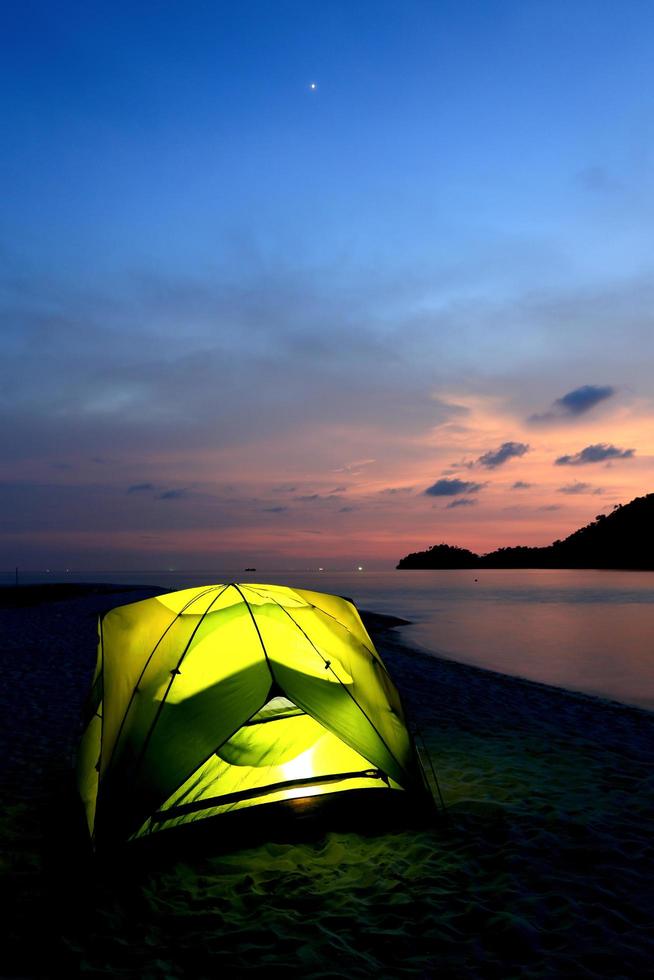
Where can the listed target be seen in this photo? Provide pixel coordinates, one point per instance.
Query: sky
(296, 284)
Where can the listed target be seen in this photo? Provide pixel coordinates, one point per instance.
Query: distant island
(622, 539)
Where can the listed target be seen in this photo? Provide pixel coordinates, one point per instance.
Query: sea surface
(586, 630)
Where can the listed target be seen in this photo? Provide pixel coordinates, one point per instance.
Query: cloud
(496, 457)
(140, 487)
(578, 487)
(521, 485)
(395, 490)
(354, 468)
(266, 373)
(576, 402)
(259, 361)
(598, 453)
(332, 497)
(273, 510)
(550, 507)
(463, 502)
(175, 494)
(583, 399)
(452, 488)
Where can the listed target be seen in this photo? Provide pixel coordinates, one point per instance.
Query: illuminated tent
(215, 699)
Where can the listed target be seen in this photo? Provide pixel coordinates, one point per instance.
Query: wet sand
(542, 865)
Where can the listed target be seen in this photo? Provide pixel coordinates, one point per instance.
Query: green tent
(215, 699)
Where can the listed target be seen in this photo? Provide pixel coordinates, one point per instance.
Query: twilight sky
(248, 320)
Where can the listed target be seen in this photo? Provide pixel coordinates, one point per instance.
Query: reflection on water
(591, 631)
(602, 647)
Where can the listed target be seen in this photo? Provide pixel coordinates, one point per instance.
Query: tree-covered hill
(622, 539)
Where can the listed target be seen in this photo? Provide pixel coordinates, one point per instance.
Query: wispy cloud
(292, 412)
(598, 453)
(578, 487)
(575, 403)
(452, 488)
(328, 499)
(462, 502)
(354, 468)
(140, 488)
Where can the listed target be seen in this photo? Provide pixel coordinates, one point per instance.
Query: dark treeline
(622, 539)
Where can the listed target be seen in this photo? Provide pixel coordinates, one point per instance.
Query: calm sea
(589, 631)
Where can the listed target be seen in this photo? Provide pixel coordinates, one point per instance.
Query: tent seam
(256, 626)
(148, 736)
(147, 664)
(349, 693)
(371, 650)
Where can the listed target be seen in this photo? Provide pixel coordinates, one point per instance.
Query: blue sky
(165, 134)
(208, 264)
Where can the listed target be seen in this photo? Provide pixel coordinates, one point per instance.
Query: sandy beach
(542, 865)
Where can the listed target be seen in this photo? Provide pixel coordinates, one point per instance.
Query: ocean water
(586, 630)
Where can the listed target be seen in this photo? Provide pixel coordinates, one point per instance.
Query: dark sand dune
(542, 867)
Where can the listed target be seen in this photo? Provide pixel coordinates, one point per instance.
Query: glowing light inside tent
(301, 767)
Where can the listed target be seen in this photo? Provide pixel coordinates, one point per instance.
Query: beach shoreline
(543, 867)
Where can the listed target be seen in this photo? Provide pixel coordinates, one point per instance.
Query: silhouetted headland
(622, 539)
